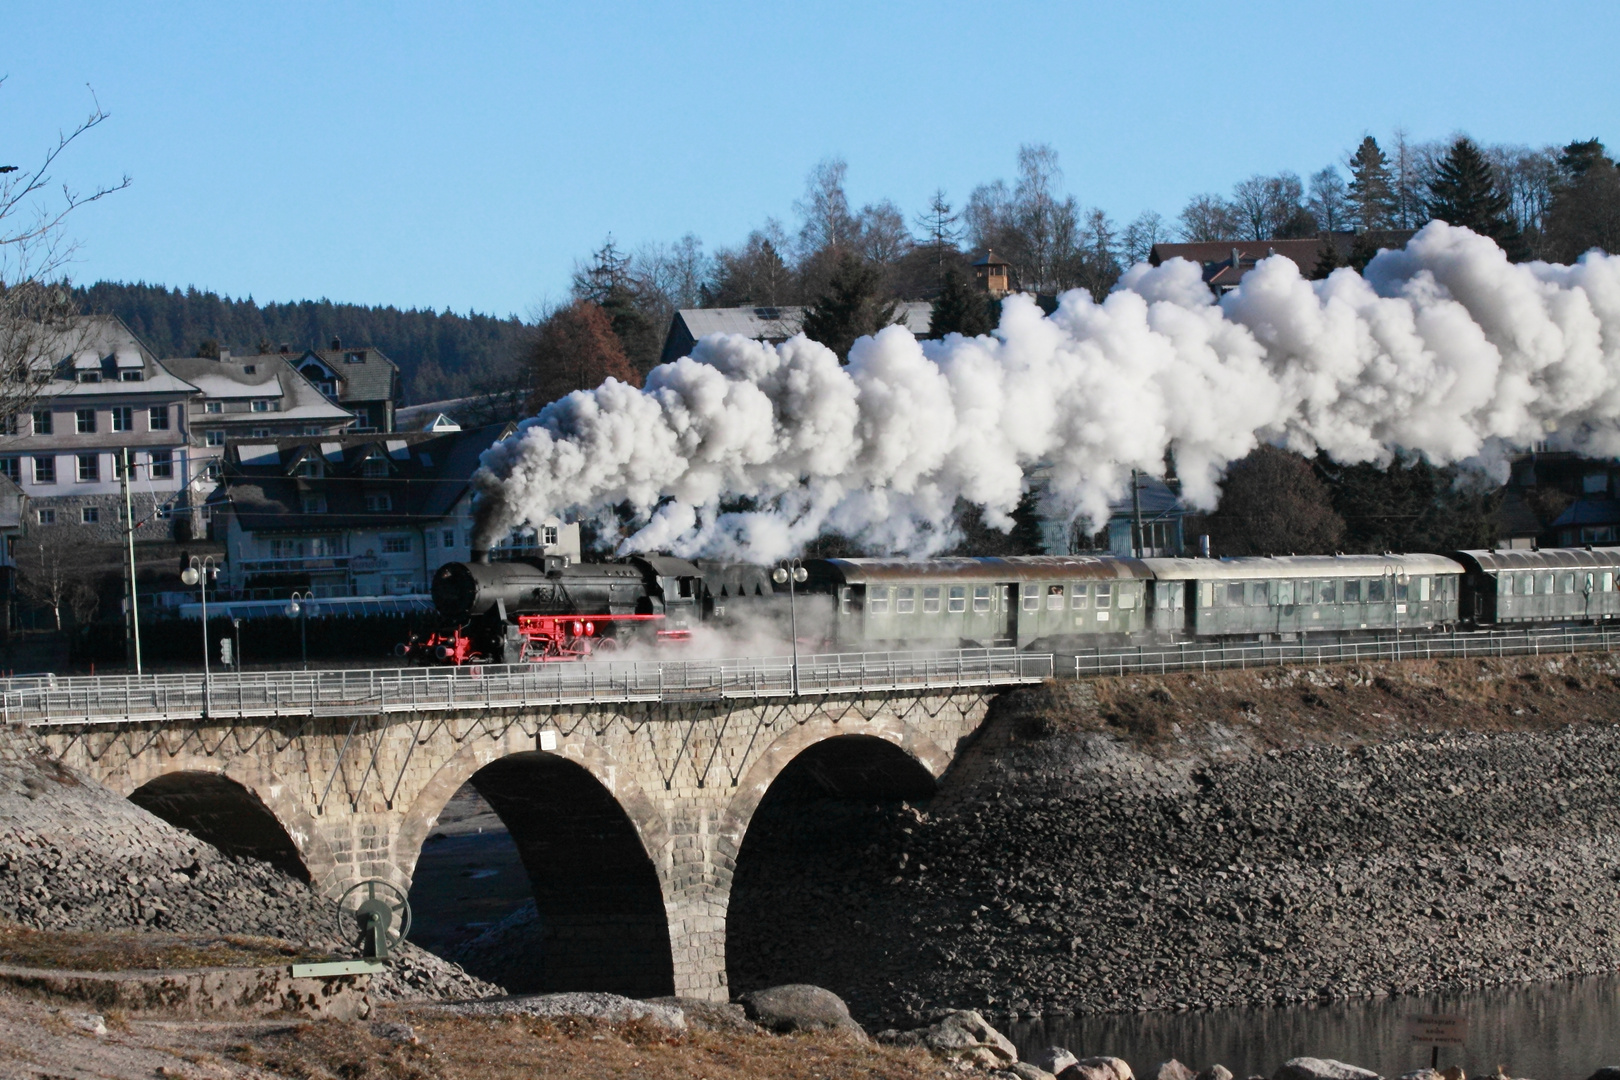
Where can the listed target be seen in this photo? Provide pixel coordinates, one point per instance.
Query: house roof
(100, 343)
(1515, 518)
(771, 324)
(373, 377)
(990, 258)
(1603, 511)
(427, 475)
(273, 376)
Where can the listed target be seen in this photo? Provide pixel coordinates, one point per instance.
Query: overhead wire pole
(132, 616)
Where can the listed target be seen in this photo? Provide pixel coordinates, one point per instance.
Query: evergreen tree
(852, 306)
(1362, 252)
(1327, 258)
(608, 283)
(960, 308)
(942, 235)
(1464, 192)
(1372, 195)
(1578, 157)
(1585, 212)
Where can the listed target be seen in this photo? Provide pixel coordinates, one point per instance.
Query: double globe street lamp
(201, 571)
(792, 573)
(298, 608)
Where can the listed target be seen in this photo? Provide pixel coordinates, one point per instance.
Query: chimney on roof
(224, 354)
(285, 348)
(337, 343)
(1236, 258)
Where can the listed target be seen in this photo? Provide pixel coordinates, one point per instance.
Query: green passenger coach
(950, 603)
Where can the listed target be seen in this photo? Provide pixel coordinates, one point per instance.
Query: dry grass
(1343, 704)
(523, 1048)
(134, 950)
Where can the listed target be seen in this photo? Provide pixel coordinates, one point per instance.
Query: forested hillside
(440, 355)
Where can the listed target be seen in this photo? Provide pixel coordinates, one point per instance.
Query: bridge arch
(230, 814)
(593, 846)
(804, 825)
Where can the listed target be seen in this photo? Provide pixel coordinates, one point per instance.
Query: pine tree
(1372, 196)
(960, 308)
(1578, 157)
(608, 283)
(939, 226)
(1464, 192)
(1327, 258)
(851, 307)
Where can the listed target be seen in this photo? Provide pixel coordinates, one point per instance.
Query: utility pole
(1136, 512)
(132, 621)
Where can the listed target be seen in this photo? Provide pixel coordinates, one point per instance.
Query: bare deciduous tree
(51, 566)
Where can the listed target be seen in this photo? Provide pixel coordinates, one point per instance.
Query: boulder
(1098, 1068)
(959, 1035)
(1170, 1070)
(1023, 1070)
(1054, 1059)
(1309, 1068)
(799, 1007)
(1215, 1072)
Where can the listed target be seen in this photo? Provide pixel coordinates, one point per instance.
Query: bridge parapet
(116, 699)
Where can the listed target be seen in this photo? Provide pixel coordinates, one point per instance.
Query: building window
(130, 375)
(11, 468)
(314, 504)
(162, 464)
(89, 376)
(86, 419)
(250, 369)
(47, 517)
(261, 405)
(374, 467)
(123, 418)
(449, 538)
(309, 468)
(396, 545)
(157, 418)
(44, 470)
(89, 468)
(358, 357)
(377, 504)
(89, 515)
(213, 406)
(548, 535)
(42, 422)
(261, 433)
(431, 539)
(215, 438)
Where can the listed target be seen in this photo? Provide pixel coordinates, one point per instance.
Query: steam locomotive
(551, 609)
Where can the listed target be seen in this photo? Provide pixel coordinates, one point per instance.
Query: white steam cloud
(1444, 349)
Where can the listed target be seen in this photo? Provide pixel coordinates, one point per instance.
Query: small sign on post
(1436, 1031)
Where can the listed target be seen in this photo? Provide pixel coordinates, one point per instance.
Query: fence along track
(1199, 656)
(114, 699)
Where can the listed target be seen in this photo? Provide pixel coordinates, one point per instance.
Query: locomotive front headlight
(590, 628)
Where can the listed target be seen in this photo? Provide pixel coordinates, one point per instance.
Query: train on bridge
(551, 609)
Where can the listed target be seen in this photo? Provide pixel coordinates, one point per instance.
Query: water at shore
(1548, 1031)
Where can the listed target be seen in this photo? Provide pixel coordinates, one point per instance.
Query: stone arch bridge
(629, 815)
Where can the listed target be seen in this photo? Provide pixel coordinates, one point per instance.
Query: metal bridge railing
(111, 699)
(1201, 656)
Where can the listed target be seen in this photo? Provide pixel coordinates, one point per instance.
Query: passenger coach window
(1206, 594)
(1054, 598)
(905, 600)
(1078, 594)
(1326, 592)
(981, 598)
(877, 599)
(1032, 598)
(844, 601)
(1375, 590)
(1259, 593)
(1234, 594)
(1546, 585)
(1285, 592)
(1504, 585)
(958, 598)
(931, 600)
(1352, 591)
(1423, 589)
(1607, 584)
(1527, 584)
(1566, 583)
(1105, 596)
(1304, 592)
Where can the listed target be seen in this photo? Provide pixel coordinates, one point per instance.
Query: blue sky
(464, 156)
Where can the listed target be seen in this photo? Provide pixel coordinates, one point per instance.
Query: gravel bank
(1192, 841)
(76, 856)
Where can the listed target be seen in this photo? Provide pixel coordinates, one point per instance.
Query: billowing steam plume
(1444, 349)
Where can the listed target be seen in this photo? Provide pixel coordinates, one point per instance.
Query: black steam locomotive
(551, 609)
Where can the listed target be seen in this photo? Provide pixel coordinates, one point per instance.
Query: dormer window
(374, 467)
(309, 469)
(130, 375)
(213, 406)
(261, 405)
(89, 376)
(355, 356)
(250, 369)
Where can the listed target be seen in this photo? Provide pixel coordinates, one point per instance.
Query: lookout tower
(992, 274)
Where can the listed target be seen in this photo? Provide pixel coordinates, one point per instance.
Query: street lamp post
(792, 573)
(200, 572)
(298, 606)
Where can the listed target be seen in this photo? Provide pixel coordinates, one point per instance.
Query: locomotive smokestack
(480, 555)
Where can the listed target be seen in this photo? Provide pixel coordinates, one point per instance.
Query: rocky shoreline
(1204, 841)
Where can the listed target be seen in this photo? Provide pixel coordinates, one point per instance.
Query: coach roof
(1299, 566)
(1545, 559)
(987, 569)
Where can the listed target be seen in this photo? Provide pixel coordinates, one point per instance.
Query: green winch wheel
(376, 914)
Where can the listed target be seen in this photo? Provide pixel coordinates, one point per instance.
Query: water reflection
(1548, 1031)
